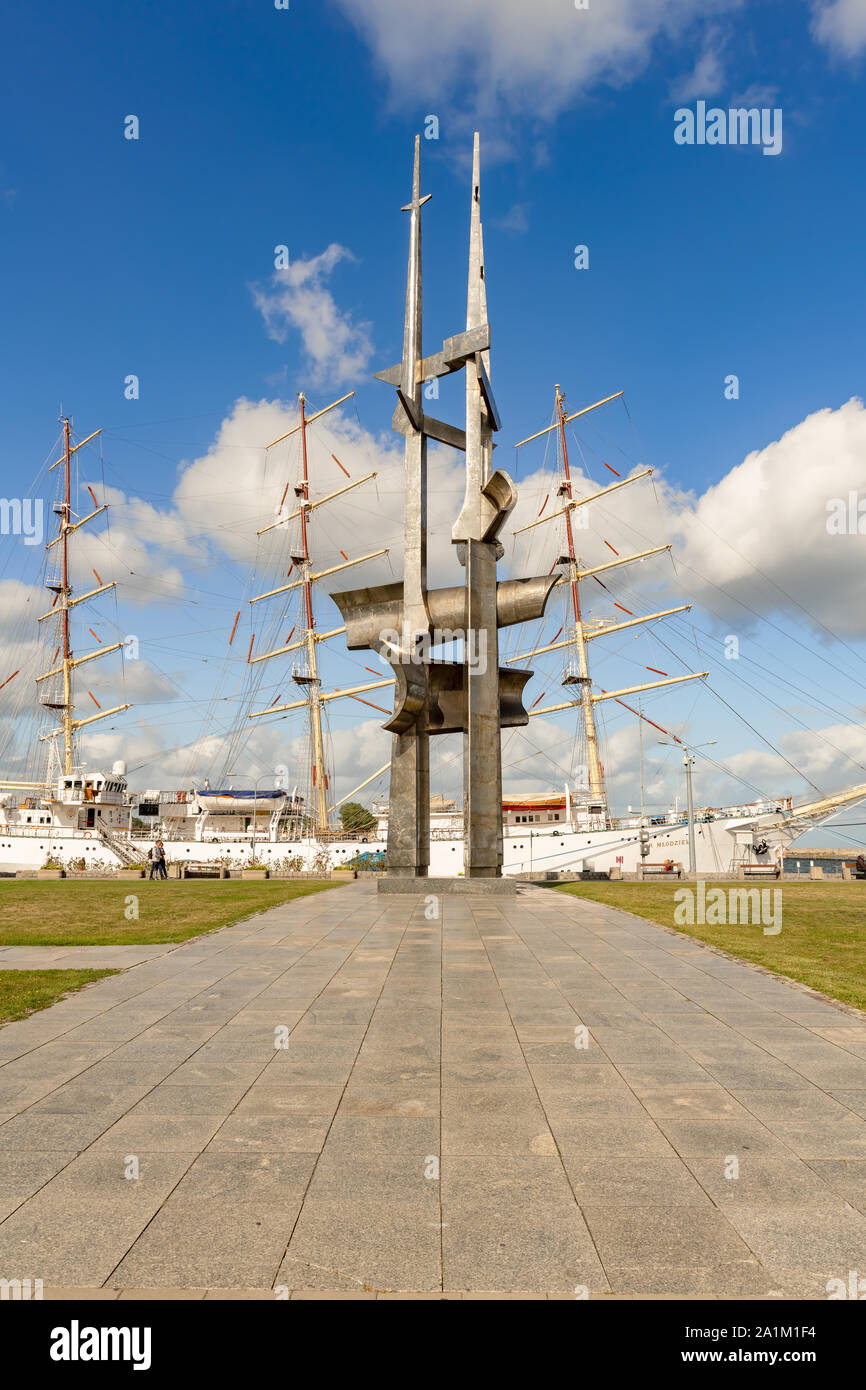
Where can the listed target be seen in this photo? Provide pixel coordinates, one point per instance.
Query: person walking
(159, 859)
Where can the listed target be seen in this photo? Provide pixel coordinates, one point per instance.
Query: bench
(191, 869)
(675, 871)
(759, 871)
(852, 870)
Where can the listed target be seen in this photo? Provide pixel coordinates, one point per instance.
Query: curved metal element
(512, 715)
(371, 612)
(410, 697)
(502, 495)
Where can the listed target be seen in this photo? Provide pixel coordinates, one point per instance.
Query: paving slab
(78, 957)
(532, 1096)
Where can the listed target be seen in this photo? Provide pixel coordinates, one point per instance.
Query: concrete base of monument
(487, 886)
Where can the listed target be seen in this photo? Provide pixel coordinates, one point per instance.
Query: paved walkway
(78, 957)
(432, 1125)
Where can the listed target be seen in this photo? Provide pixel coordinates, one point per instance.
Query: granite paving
(363, 1096)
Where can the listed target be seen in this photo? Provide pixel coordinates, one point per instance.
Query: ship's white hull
(720, 846)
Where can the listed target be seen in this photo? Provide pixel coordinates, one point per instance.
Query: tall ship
(59, 810)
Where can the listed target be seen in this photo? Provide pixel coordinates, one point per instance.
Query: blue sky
(261, 127)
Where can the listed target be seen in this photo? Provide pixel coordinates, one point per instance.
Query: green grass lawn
(93, 913)
(24, 991)
(822, 942)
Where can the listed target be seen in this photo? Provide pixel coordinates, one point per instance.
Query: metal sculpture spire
(489, 499)
(472, 696)
(479, 517)
(409, 833)
(410, 385)
(416, 621)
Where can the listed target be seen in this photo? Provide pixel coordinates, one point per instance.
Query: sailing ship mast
(578, 634)
(62, 590)
(308, 674)
(596, 775)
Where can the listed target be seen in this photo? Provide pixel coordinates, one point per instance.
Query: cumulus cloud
(761, 538)
(122, 556)
(764, 532)
(501, 54)
(208, 494)
(19, 603)
(336, 347)
(21, 653)
(769, 511)
(758, 537)
(708, 74)
(841, 27)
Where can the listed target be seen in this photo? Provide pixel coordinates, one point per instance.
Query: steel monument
(404, 621)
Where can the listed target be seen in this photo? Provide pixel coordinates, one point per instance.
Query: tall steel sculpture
(401, 621)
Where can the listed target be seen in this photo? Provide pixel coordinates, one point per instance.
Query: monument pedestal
(439, 886)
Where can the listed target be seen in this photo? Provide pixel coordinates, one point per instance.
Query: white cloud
(20, 603)
(770, 514)
(841, 26)
(336, 348)
(760, 533)
(367, 518)
(515, 220)
(708, 74)
(756, 94)
(122, 556)
(769, 511)
(502, 54)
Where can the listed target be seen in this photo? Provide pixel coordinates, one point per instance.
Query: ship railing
(358, 836)
(45, 832)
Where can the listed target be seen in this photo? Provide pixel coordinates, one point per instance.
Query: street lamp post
(688, 764)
